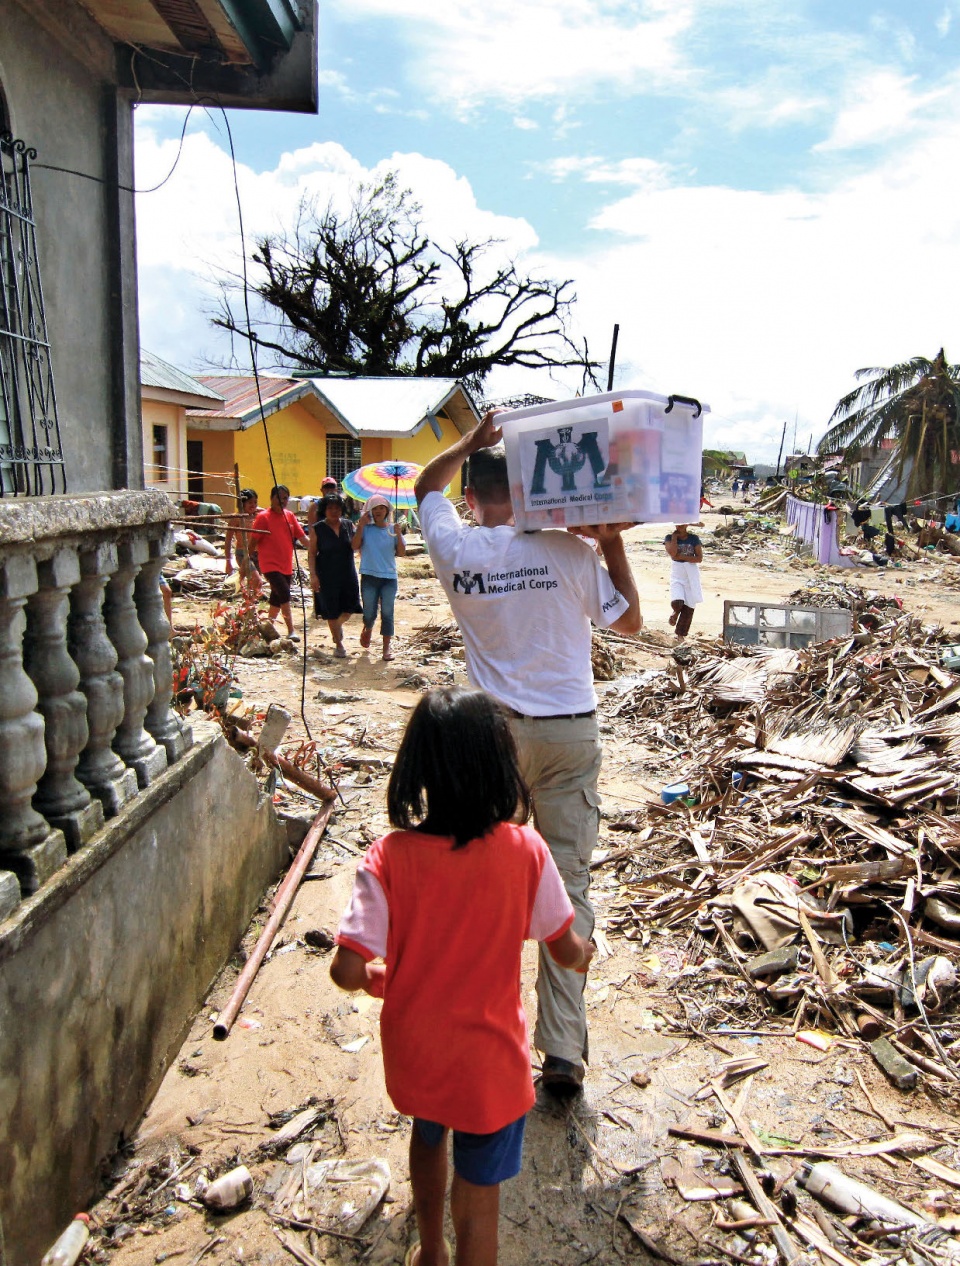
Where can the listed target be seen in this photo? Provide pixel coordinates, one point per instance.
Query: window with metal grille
(160, 453)
(31, 455)
(343, 455)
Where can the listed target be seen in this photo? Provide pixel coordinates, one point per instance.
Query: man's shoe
(561, 1077)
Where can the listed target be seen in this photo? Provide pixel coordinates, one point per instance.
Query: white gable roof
(388, 408)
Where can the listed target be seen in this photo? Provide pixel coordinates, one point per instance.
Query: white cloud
(467, 52)
(764, 304)
(761, 304)
(188, 231)
(877, 107)
(523, 124)
(644, 173)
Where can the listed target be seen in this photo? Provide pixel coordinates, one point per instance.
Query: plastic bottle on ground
(69, 1246)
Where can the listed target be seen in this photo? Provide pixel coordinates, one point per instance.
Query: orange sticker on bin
(617, 406)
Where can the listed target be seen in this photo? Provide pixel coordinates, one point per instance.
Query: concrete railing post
(161, 721)
(60, 797)
(132, 742)
(100, 769)
(28, 847)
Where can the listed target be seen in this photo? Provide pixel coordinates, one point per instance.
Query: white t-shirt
(524, 602)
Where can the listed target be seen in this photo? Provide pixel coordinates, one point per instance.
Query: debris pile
(297, 1175)
(840, 593)
(814, 841)
(196, 576)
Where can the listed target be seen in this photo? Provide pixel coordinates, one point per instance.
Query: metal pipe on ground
(302, 779)
(282, 901)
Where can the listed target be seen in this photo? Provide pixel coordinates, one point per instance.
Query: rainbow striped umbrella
(392, 479)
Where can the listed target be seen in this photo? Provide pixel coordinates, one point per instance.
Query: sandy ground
(592, 1169)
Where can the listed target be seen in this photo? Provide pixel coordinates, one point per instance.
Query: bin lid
(606, 397)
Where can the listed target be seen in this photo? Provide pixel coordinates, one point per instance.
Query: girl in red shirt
(447, 900)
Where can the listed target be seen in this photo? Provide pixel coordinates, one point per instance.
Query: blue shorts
(482, 1159)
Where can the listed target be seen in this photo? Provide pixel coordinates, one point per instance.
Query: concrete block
(149, 767)
(9, 893)
(297, 825)
(33, 866)
(115, 794)
(79, 826)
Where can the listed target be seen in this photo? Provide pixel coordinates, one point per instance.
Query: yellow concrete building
(316, 427)
(166, 393)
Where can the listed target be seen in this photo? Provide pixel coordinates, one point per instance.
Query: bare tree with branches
(367, 292)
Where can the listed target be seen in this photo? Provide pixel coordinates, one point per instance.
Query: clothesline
(186, 470)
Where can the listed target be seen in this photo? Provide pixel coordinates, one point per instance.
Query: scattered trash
(227, 1192)
(349, 1191)
(356, 1045)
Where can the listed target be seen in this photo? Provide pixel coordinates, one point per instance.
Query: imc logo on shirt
(466, 581)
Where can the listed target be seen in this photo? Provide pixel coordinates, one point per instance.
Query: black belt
(557, 716)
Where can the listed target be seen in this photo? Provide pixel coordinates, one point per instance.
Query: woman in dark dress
(336, 590)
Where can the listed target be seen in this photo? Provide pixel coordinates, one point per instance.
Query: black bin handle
(672, 400)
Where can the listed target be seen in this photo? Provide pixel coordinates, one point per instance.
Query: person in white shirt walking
(524, 602)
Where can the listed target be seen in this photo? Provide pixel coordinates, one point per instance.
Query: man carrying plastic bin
(524, 602)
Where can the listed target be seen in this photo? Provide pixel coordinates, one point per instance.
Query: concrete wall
(298, 442)
(75, 119)
(218, 457)
(173, 480)
(102, 972)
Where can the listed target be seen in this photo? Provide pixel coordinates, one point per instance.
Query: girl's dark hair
(456, 772)
(277, 489)
(331, 499)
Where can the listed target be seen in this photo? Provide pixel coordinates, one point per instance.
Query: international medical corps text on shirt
(524, 602)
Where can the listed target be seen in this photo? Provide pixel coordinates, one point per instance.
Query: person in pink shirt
(277, 533)
(446, 901)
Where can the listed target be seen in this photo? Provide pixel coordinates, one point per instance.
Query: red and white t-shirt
(450, 925)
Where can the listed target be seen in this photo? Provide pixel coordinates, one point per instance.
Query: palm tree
(716, 463)
(916, 404)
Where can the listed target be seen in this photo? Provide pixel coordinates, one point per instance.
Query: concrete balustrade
(85, 673)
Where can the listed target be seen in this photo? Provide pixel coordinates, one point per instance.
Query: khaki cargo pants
(560, 762)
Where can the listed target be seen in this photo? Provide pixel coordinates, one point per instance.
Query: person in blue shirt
(378, 542)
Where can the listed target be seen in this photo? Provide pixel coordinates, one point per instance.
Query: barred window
(160, 453)
(343, 455)
(31, 455)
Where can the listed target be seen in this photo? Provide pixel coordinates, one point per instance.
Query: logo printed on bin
(559, 469)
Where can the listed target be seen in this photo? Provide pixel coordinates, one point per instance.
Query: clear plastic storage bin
(625, 456)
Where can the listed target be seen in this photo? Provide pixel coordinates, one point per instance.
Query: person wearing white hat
(379, 543)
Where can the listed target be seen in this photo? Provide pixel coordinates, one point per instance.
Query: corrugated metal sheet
(155, 372)
(241, 400)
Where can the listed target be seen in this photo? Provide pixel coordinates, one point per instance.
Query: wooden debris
(832, 775)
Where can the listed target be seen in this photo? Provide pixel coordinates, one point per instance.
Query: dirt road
(593, 1181)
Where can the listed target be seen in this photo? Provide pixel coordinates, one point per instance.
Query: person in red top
(278, 531)
(447, 900)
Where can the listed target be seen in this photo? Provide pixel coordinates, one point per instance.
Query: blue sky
(763, 194)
